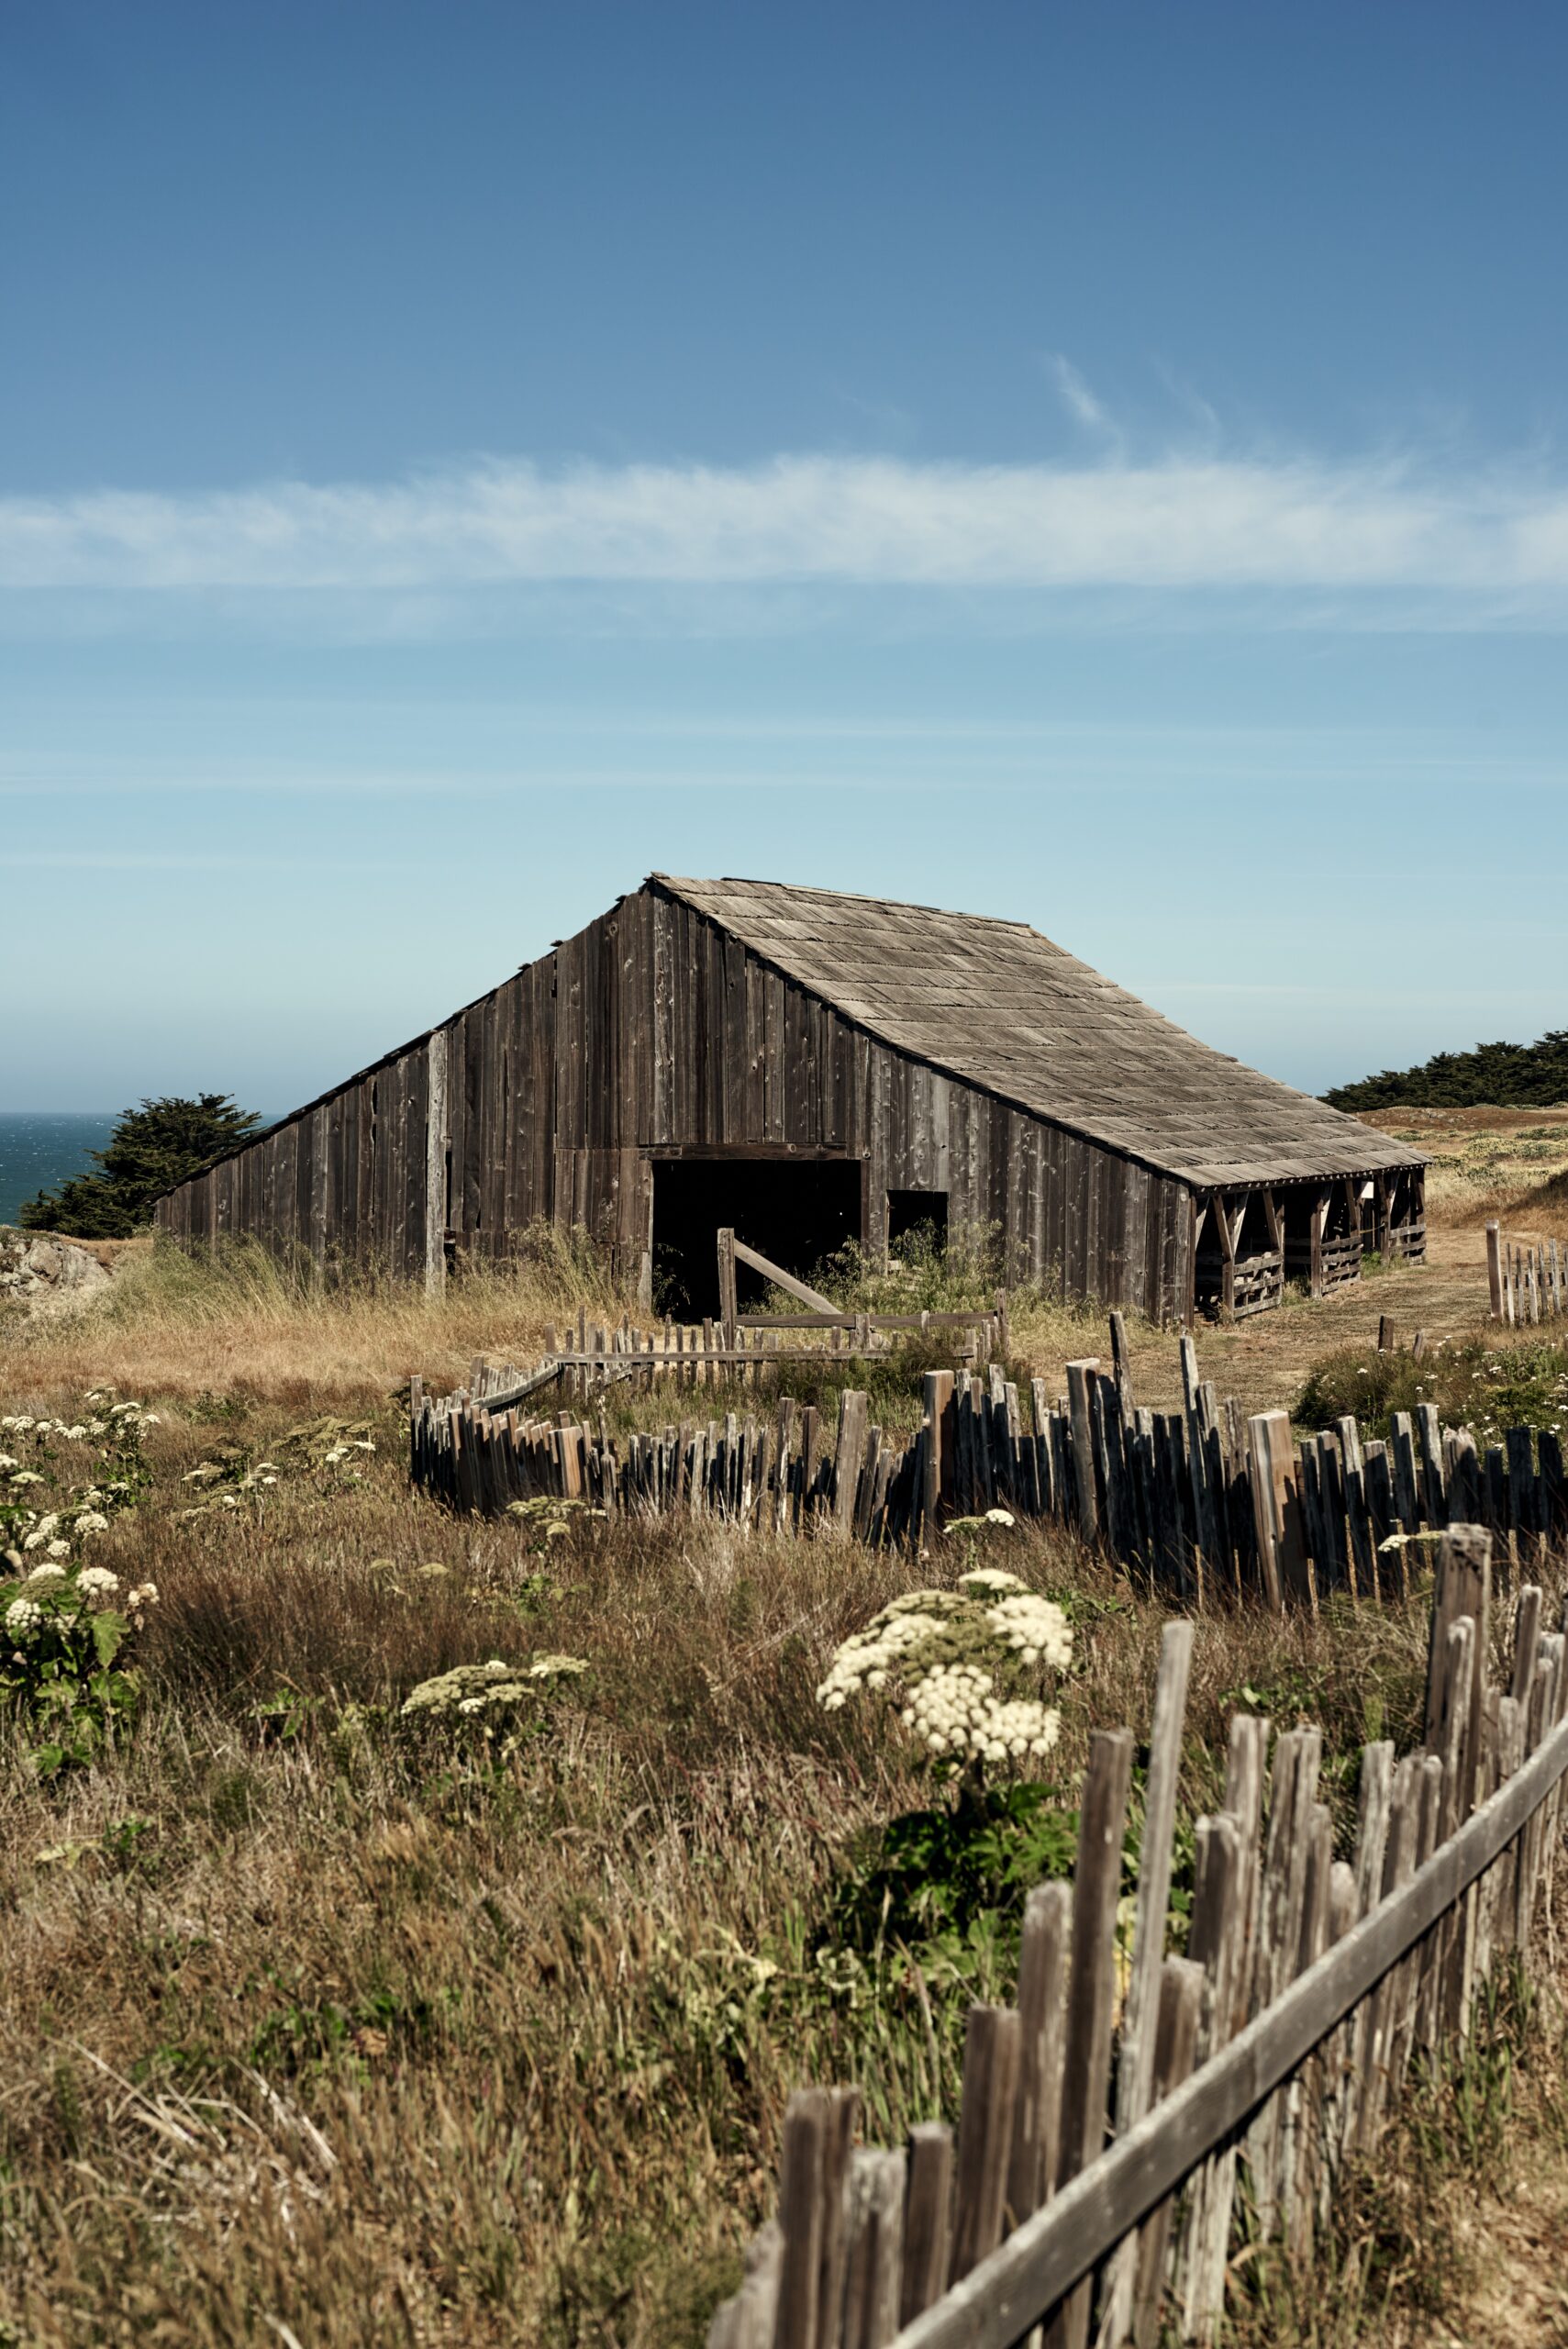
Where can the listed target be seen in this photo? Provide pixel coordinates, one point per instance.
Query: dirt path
(1264, 1361)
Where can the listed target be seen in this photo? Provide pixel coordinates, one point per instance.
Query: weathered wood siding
(653, 1032)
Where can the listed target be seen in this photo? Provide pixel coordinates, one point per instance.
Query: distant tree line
(1504, 1077)
(149, 1150)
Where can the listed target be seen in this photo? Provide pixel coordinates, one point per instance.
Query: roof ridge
(845, 897)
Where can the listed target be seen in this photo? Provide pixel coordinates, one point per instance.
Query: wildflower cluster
(964, 1666)
(228, 1478)
(44, 1514)
(503, 1701)
(489, 1689)
(62, 1663)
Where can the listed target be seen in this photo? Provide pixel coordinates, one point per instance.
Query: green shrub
(1472, 1382)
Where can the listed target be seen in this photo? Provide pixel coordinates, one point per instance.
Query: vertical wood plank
(1135, 2067)
(985, 2135)
(928, 2219)
(1096, 1887)
(1037, 2114)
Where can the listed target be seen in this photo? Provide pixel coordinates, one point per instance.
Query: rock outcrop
(48, 1275)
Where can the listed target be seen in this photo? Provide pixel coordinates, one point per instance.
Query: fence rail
(1278, 2044)
(1202, 1504)
(1527, 1283)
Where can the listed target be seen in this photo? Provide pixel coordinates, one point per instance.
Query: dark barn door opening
(797, 1211)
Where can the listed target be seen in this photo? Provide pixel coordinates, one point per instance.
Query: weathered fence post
(1495, 1269)
(1276, 1509)
(1135, 2070)
(729, 1311)
(1080, 1378)
(1091, 1989)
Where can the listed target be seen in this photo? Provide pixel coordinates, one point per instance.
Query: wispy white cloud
(1078, 399)
(1207, 523)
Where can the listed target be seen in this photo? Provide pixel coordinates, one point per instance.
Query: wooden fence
(1527, 1283)
(1202, 1504)
(1275, 2047)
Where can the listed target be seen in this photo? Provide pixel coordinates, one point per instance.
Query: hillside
(1507, 1075)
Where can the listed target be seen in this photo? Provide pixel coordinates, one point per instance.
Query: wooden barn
(809, 1067)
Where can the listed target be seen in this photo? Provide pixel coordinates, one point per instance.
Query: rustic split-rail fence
(1249, 2073)
(1204, 1504)
(1528, 1282)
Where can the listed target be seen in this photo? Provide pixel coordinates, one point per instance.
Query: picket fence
(1201, 1504)
(1528, 1282)
(1248, 2073)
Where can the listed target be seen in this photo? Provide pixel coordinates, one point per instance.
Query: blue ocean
(39, 1149)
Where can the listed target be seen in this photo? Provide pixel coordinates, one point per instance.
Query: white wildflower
(46, 1526)
(873, 1650)
(986, 1582)
(26, 1476)
(1036, 1627)
(57, 1550)
(144, 1594)
(7, 1462)
(23, 1619)
(92, 1520)
(953, 1657)
(49, 1572)
(73, 1435)
(97, 1582)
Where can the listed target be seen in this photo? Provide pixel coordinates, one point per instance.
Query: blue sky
(1102, 465)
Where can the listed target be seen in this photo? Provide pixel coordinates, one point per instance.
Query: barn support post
(729, 1311)
(1197, 1210)
(436, 1164)
(1230, 1231)
(1319, 1225)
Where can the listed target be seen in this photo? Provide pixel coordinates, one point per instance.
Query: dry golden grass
(1488, 1163)
(312, 2030)
(310, 2024)
(248, 1326)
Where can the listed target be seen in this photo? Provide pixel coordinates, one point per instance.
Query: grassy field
(326, 2024)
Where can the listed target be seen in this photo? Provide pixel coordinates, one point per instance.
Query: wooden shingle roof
(998, 1005)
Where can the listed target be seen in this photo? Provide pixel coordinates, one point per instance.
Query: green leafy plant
(939, 1871)
(61, 1669)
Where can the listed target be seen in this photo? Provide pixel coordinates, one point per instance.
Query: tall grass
(311, 2023)
(237, 1316)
